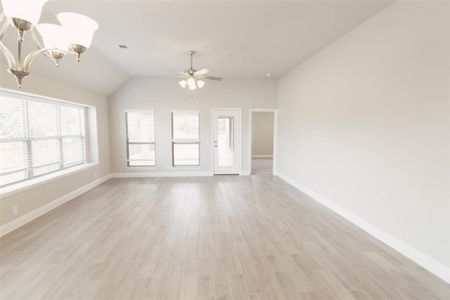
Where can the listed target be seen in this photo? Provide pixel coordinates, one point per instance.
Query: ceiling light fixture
(74, 35)
(192, 78)
(182, 83)
(200, 83)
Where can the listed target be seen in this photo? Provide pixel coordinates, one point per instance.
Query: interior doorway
(262, 137)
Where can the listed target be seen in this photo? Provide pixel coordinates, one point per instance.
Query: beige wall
(366, 122)
(164, 95)
(262, 133)
(34, 198)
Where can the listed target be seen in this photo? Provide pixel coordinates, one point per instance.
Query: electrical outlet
(15, 210)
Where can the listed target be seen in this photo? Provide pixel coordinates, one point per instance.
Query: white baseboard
(245, 173)
(28, 217)
(412, 253)
(162, 174)
(262, 156)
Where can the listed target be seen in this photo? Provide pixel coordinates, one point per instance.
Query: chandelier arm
(5, 25)
(30, 58)
(37, 42)
(8, 55)
(35, 38)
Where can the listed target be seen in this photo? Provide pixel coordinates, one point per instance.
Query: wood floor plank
(223, 237)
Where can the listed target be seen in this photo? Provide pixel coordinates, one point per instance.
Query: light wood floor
(262, 166)
(224, 237)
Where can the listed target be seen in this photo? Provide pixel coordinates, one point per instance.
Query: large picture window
(38, 138)
(185, 138)
(140, 138)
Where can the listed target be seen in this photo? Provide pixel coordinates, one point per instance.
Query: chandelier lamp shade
(29, 11)
(72, 36)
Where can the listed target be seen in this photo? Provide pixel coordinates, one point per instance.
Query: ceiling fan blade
(201, 72)
(183, 73)
(214, 78)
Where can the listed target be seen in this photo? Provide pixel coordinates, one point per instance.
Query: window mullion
(83, 120)
(58, 133)
(83, 146)
(26, 127)
(127, 139)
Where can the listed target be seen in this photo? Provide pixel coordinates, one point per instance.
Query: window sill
(35, 182)
(142, 168)
(186, 168)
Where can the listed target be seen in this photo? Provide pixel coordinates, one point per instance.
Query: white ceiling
(234, 39)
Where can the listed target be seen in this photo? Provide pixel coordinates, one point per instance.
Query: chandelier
(72, 36)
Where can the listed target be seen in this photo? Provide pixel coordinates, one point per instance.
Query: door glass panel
(225, 141)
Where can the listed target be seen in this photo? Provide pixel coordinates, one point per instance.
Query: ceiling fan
(192, 78)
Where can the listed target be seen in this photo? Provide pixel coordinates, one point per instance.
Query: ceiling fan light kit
(73, 36)
(192, 78)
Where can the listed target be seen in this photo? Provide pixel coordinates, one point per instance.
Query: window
(185, 138)
(38, 138)
(140, 138)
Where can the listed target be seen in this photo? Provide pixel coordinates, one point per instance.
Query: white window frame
(27, 140)
(139, 143)
(185, 141)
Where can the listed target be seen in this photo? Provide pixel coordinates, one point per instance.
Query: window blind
(38, 137)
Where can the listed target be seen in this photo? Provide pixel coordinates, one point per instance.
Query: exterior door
(227, 141)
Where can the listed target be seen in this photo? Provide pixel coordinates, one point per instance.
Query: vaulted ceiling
(245, 39)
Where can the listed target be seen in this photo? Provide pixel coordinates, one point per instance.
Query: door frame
(239, 138)
(275, 136)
